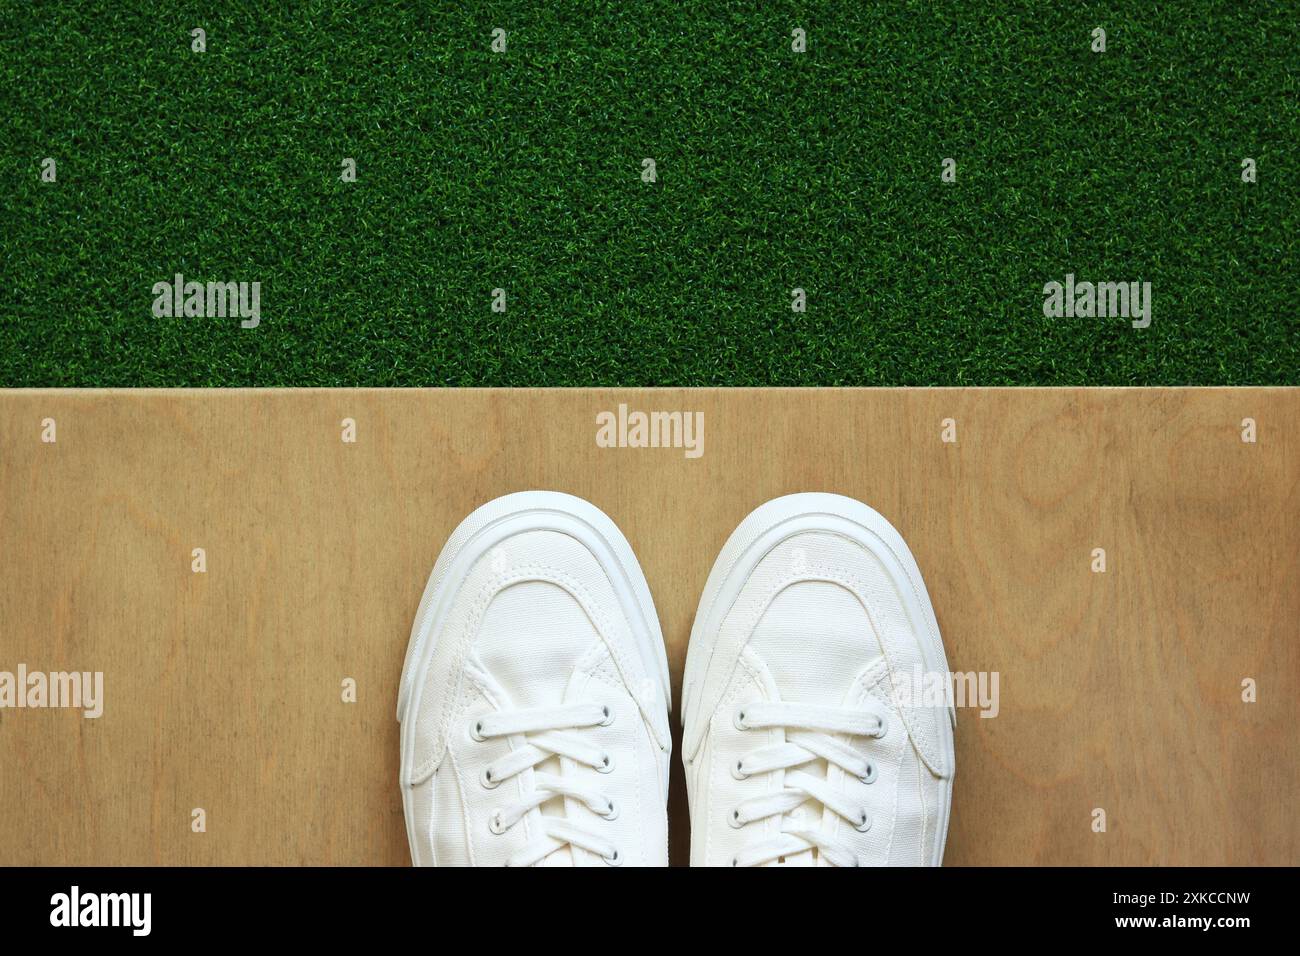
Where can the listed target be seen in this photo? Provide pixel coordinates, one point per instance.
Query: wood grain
(1119, 690)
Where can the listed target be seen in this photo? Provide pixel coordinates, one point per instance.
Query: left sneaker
(534, 698)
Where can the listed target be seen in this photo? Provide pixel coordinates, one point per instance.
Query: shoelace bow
(807, 738)
(543, 730)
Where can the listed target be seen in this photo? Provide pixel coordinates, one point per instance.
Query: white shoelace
(807, 738)
(542, 729)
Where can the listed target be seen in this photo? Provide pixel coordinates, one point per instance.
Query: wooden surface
(1119, 691)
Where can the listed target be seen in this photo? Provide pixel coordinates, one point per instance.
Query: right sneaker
(534, 698)
(798, 749)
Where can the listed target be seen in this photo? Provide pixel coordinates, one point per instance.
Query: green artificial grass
(522, 171)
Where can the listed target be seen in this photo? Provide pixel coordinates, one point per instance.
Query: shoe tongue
(532, 636)
(555, 808)
(814, 638)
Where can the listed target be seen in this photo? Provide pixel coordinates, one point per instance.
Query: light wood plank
(1119, 690)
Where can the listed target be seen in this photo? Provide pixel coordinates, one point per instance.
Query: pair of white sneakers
(535, 696)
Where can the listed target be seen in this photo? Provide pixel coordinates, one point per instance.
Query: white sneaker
(534, 698)
(796, 751)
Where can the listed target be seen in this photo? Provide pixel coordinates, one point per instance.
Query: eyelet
(864, 824)
(487, 781)
(870, 775)
(476, 731)
(609, 716)
(606, 764)
(738, 718)
(494, 823)
(882, 728)
(737, 770)
(615, 860)
(612, 812)
(734, 821)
